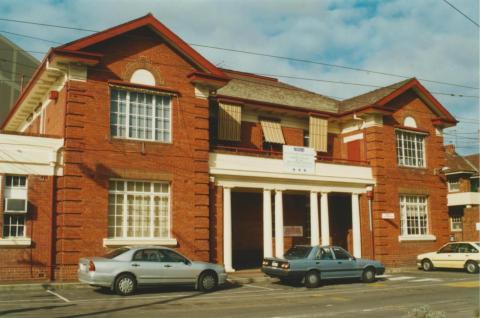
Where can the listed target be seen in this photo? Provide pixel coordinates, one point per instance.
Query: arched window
(409, 122)
(143, 77)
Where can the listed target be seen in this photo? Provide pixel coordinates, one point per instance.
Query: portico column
(267, 223)
(357, 240)
(324, 222)
(278, 223)
(227, 229)
(314, 226)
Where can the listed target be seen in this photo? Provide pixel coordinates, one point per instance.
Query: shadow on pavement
(19, 310)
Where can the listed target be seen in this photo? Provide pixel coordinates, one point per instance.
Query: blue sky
(423, 38)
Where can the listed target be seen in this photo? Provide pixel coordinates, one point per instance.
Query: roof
(474, 160)
(457, 163)
(371, 97)
(270, 90)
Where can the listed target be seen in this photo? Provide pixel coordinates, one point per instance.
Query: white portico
(268, 177)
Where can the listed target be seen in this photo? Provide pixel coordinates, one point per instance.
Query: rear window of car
(116, 252)
(298, 252)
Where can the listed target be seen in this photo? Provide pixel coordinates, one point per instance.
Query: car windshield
(298, 252)
(116, 252)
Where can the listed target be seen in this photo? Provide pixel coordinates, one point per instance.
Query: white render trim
(279, 245)
(352, 138)
(409, 238)
(357, 234)
(373, 120)
(133, 241)
(463, 198)
(267, 223)
(324, 222)
(201, 91)
(227, 229)
(314, 222)
(17, 241)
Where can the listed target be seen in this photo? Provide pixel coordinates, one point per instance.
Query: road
(453, 292)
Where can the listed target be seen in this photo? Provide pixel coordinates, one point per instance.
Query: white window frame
(15, 192)
(453, 186)
(150, 239)
(114, 128)
(452, 217)
(404, 229)
(402, 139)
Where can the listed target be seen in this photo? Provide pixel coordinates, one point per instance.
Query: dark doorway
(340, 217)
(247, 230)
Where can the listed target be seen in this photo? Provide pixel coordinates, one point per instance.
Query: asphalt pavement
(454, 293)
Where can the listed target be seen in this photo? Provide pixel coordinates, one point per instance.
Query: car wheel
(427, 265)
(368, 275)
(207, 282)
(125, 284)
(312, 279)
(471, 267)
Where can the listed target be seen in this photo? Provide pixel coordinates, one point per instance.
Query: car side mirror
(352, 258)
(187, 262)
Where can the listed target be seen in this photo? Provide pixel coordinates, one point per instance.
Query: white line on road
(253, 286)
(383, 276)
(58, 295)
(426, 280)
(401, 278)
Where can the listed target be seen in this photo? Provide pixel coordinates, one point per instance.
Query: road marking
(58, 295)
(383, 276)
(253, 286)
(401, 278)
(426, 280)
(470, 284)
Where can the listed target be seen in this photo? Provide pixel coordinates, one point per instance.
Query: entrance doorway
(340, 216)
(247, 230)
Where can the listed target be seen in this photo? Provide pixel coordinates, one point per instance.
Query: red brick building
(159, 146)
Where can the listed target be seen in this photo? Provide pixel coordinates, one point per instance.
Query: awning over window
(272, 131)
(318, 130)
(229, 122)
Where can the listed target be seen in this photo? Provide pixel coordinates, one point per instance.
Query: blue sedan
(315, 263)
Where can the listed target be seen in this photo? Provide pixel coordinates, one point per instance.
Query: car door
(444, 257)
(461, 255)
(346, 265)
(177, 269)
(147, 267)
(325, 262)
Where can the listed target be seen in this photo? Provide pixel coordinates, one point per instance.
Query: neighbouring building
(16, 69)
(463, 195)
(159, 146)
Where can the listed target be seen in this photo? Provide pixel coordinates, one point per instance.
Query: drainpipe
(370, 218)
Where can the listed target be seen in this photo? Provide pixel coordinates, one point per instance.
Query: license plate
(274, 264)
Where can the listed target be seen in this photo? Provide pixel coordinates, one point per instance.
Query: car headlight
(265, 263)
(285, 266)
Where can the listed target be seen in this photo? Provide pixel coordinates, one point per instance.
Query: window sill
(131, 242)
(456, 230)
(23, 241)
(404, 238)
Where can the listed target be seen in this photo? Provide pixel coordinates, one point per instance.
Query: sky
(426, 39)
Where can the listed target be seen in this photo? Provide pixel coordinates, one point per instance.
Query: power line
(458, 10)
(257, 54)
(30, 37)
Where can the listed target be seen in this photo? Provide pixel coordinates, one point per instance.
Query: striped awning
(272, 131)
(229, 122)
(318, 130)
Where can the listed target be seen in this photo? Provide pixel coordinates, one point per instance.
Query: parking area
(454, 292)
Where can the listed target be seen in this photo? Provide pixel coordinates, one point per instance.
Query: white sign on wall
(388, 216)
(299, 159)
(478, 226)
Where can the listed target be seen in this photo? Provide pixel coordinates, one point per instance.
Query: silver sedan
(124, 269)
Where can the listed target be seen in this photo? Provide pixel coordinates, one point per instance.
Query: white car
(464, 255)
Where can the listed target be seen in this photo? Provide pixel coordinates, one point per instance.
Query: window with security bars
(410, 149)
(453, 185)
(414, 215)
(14, 217)
(456, 223)
(138, 209)
(140, 116)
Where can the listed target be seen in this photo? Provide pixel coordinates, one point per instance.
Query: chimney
(450, 149)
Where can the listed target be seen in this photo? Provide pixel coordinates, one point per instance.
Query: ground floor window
(138, 209)
(414, 215)
(15, 206)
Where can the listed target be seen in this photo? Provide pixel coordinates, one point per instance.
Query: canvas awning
(272, 131)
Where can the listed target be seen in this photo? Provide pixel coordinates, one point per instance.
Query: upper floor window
(15, 207)
(456, 223)
(453, 185)
(140, 116)
(410, 149)
(414, 215)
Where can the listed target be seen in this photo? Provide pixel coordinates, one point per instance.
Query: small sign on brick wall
(293, 231)
(388, 215)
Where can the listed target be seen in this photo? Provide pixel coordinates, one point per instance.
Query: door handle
(317, 263)
(167, 265)
(339, 262)
(135, 265)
